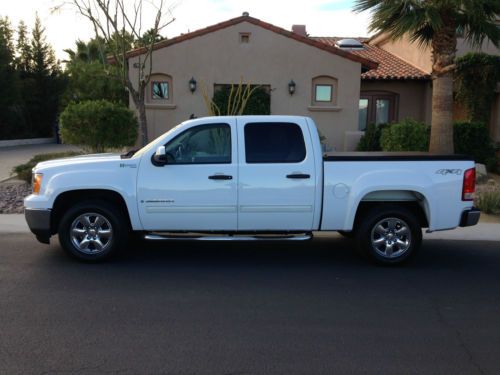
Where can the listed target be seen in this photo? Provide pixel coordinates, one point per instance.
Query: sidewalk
(484, 231)
(13, 156)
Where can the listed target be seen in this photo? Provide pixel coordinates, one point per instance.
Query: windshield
(151, 144)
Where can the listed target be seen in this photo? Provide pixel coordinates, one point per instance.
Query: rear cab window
(274, 142)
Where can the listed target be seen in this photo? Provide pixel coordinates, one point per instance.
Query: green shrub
(98, 124)
(23, 171)
(370, 141)
(473, 139)
(488, 201)
(407, 135)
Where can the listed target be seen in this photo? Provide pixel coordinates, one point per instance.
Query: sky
(321, 17)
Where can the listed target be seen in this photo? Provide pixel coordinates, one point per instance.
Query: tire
(93, 230)
(388, 235)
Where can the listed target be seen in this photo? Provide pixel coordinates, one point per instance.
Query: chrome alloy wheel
(91, 233)
(391, 237)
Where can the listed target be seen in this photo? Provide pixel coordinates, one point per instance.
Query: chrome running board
(229, 237)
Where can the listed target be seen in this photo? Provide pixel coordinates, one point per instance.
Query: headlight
(36, 182)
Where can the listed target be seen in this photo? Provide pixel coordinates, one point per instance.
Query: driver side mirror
(160, 156)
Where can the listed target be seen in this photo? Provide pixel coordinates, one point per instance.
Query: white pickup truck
(249, 178)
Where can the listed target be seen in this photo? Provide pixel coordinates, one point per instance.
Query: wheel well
(69, 198)
(413, 206)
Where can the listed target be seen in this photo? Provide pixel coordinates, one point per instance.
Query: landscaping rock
(12, 195)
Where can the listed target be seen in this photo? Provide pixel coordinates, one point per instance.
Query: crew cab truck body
(247, 177)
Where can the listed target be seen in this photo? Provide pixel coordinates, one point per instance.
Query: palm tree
(436, 23)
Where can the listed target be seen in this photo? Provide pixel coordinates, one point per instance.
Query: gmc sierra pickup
(249, 178)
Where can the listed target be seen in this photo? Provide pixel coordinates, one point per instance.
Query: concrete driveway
(13, 156)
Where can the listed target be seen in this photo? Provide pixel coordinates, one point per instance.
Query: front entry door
(197, 189)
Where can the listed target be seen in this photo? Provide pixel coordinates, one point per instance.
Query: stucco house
(420, 58)
(342, 83)
(327, 78)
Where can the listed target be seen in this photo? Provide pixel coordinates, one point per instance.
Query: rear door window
(274, 142)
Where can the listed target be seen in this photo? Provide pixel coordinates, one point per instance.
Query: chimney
(299, 29)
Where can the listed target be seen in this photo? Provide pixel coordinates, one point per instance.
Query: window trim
(325, 80)
(209, 126)
(316, 92)
(159, 77)
(167, 98)
(372, 97)
(245, 35)
(263, 124)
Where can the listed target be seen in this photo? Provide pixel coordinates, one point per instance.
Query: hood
(77, 160)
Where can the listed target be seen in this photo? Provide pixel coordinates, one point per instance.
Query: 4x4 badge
(444, 172)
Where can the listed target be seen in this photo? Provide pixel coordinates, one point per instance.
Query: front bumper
(39, 223)
(470, 217)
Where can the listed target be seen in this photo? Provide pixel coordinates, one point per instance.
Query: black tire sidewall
(372, 217)
(110, 212)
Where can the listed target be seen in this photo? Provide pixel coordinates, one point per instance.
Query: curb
(7, 179)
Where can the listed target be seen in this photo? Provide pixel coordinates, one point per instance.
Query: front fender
(122, 182)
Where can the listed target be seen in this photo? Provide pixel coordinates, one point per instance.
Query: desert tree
(120, 24)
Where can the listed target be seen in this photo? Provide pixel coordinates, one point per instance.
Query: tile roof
(390, 66)
(366, 62)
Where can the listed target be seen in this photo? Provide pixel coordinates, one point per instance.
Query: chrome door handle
(220, 177)
(298, 175)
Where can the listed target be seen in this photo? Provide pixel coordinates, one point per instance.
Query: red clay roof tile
(390, 66)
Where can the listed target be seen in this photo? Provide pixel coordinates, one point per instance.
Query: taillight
(469, 185)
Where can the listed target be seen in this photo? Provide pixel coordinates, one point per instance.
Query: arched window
(160, 89)
(324, 91)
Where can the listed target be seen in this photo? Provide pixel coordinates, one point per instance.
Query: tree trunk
(140, 105)
(143, 123)
(442, 114)
(444, 46)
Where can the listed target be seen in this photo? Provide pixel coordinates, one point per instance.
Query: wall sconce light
(291, 87)
(192, 85)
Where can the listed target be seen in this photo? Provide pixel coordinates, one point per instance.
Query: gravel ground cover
(12, 195)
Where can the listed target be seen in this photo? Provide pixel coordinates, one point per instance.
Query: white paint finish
(259, 197)
(268, 200)
(102, 171)
(276, 209)
(182, 197)
(191, 209)
(441, 193)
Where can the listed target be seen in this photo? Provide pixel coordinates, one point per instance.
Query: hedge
(97, 125)
(408, 135)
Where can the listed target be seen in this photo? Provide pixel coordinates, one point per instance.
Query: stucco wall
(269, 58)
(421, 56)
(409, 52)
(414, 97)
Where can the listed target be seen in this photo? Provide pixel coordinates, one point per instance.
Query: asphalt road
(233, 308)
